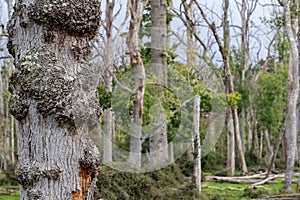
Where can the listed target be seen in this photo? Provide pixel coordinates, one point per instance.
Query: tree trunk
(190, 53)
(1, 123)
(159, 139)
(12, 139)
(250, 120)
(108, 121)
(54, 98)
(197, 152)
(230, 143)
(245, 18)
(224, 48)
(230, 85)
(261, 144)
(6, 134)
(9, 7)
(136, 10)
(293, 93)
(269, 148)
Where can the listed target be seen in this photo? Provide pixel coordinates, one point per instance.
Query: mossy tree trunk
(54, 98)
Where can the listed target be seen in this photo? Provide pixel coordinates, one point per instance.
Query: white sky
(216, 6)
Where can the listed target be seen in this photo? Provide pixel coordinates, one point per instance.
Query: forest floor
(171, 183)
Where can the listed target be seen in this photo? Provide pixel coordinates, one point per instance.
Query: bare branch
(5, 57)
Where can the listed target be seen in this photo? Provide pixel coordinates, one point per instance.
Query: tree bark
(190, 52)
(9, 7)
(136, 11)
(108, 120)
(293, 93)
(230, 143)
(269, 148)
(197, 152)
(230, 85)
(159, 139)
(1, 122)
(54, 98)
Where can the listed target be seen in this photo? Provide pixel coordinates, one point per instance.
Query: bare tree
(246, 9)
(293, 93)
(224, 49)
(53, 97)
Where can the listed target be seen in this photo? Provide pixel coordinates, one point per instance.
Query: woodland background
(240, 65)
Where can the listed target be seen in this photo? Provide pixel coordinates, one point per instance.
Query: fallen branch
(223, 188)
(263, 181)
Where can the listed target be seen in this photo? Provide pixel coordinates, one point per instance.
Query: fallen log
(235, 180)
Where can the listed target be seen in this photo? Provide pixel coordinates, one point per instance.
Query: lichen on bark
(43, 81)
(75, 17)
(54, 97)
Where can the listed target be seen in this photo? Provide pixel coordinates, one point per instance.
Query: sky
(263, 10)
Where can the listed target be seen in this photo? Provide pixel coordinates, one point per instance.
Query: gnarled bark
(54, 98)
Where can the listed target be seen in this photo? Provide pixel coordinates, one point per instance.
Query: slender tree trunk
(230, 85)
(298, 104)
(230, 143)
(9, 7)
(269, 149)
(108, 121)
(1, 123)
(6, 134)
(293, 93)
(136, 10)
(54, 98)
(261, 144)
(245, 19)
(250, 123)
(197, 152)
(12, 139)
(159, 140)
(278, 142)
(190, 53)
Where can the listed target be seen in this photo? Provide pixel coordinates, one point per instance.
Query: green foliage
(104, 97)
(282, 47)
(162, 184)
(9, 177)
(213, 162)
(270, 98)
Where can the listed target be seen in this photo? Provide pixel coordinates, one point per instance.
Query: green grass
(9, 197)
(245, 191)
